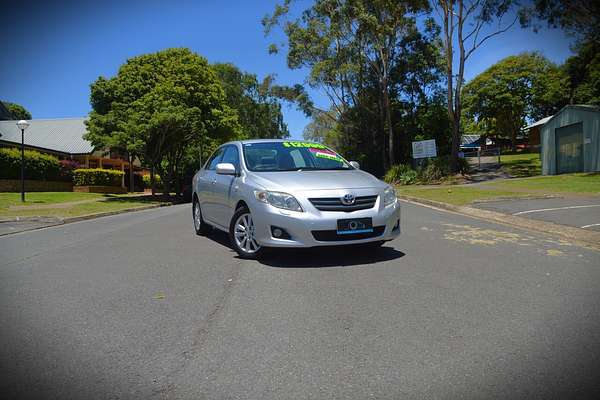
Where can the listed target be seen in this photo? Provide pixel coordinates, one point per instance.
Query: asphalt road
(580, 212)
(137, 306)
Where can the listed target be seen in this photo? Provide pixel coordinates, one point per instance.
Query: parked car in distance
(282, 193)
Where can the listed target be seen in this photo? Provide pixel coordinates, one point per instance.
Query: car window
(297, 157)
(215, 159)
(232, 156)
(292, 156)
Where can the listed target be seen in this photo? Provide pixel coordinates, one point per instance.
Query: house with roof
(571, 140)
(64, 138)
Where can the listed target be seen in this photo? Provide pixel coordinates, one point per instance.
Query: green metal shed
(571, 141)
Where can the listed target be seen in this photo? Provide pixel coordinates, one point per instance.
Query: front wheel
(241, 234)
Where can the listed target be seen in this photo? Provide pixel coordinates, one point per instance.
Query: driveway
(580, 212)
(136, 306)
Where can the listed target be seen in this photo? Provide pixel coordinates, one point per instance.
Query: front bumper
(300, 225)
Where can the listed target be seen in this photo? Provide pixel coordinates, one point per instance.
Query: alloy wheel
(244, 234)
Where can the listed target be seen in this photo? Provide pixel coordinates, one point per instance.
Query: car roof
(246, 141)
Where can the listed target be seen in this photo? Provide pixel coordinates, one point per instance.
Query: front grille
(332, 235)
(335, 203)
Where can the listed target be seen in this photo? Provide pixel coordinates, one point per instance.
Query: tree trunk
(457, 92)
(384, 153)
(131, 180)
(152, 180)
(168, 179)
(388, 122)
(448, 36)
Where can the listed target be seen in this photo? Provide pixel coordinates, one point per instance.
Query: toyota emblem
(348, 199)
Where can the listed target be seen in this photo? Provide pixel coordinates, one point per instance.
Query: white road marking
(590, 225)
(555, 209)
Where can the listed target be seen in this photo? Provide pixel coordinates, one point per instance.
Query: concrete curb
(577, 236)
(54, 221)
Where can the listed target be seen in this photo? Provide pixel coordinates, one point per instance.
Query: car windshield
(292, 156)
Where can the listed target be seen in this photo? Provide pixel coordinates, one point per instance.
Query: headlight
(389, 196)
(278, 199)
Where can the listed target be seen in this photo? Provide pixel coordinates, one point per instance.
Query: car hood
(316, 180)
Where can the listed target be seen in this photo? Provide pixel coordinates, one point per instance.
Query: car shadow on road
(319, 257)
(334, 256)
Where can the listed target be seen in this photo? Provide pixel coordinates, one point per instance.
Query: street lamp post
(22, 125)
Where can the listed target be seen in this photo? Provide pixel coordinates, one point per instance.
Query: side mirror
(355, 164)
(226, 169)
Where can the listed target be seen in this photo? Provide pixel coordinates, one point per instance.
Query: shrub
(66, 167)
(435, 169)
(148, 184)
(432, 172)
(38, 166)
(97, 177)
(400, 174)
(463, 166)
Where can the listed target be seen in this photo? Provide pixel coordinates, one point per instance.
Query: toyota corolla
(279, 193)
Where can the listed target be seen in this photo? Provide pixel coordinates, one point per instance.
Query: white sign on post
(424, 149)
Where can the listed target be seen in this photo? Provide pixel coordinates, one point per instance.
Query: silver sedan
(282, 193)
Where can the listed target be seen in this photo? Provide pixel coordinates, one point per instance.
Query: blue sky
(52, 51)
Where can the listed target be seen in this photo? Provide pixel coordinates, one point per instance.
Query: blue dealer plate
(354, 225)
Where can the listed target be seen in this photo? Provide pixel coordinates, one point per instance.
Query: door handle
(214, 182)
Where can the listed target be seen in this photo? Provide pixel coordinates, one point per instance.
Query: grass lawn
(37, 198)
(586, 184)
(582, 183)
(458, 195)
(42, 203)
(522, 165)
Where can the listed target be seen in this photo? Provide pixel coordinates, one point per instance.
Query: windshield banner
(325, 153)
(304, 144)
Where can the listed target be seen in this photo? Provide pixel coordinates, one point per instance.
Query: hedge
(38, 166)
(97, 177)
(157, 181)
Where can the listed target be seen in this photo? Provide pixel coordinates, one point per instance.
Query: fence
(477, 156)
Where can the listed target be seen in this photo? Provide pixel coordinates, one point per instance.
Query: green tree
(323, 128)
(157, 107)
(373, 63)
(17, 110)
(579, 18)
(259, 111)
(468, 25)
(518, 88)
(584, 74)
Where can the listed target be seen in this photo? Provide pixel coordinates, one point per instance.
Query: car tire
(201, 227)
(241, 234)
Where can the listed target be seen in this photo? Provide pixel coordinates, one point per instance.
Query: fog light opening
(397, 226)
(279, 233)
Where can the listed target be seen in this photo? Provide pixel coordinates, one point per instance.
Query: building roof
(468, 139)
(538, 123)
(585, 107)
(59, 135)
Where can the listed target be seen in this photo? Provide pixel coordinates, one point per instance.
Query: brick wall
(14, 185)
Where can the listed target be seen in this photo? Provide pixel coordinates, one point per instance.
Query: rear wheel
(201, 227)
(241, 234)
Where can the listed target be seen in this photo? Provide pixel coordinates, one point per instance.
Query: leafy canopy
(158, 105)
(17, 110)
(259, 111)
(525, 86)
